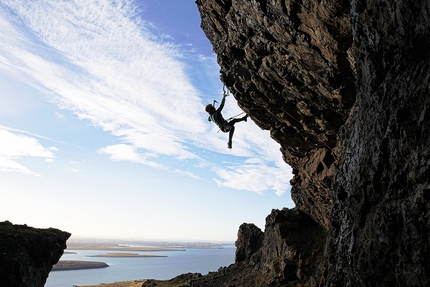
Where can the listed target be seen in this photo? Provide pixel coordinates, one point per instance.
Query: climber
(225, 126)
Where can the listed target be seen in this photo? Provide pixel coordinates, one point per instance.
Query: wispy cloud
(123, 152)
(15, 146)
(257, 177)
(97, 59)
(110, 70)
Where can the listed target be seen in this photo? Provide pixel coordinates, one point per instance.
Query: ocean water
(123, 269)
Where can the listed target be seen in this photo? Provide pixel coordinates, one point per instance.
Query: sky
(103, 131)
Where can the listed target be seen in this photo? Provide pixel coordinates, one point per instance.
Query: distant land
(181, 280)
(137, 245)
(114, 245)
(123, 248)
(63, 265)
(122, 254)
(132, 283)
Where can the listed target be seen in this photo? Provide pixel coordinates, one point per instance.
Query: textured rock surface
(298, 242)
(293, 247)
(288, 253)
(343, 86)
(289, 65)
(249, 241)
(381, 217)
(27, 254)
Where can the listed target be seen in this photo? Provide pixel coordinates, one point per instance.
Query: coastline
(113, 252)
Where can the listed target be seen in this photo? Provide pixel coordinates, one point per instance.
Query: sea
(194, 260)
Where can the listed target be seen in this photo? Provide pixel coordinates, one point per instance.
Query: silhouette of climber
(225, 126)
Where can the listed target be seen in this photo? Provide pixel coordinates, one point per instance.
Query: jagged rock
(249, 241)
(27, 254)
(288, 253)
(343, 87)
(381, 215)
(293, 246)
(289, 66)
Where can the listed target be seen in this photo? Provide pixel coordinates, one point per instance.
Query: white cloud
(187, 173)
(14, 146)
(123, 152)
(112, 71)
(73, 170)
(8, 165)
(256, 177)
(98, 61)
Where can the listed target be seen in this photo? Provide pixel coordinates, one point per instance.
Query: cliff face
(343, 86)
(290, 251)
(289, 65)
(381, 218)
(27, 254)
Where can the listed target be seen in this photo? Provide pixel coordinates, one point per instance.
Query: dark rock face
(344, 88)
(249, 241)
(381, 219)
(27, 254)
(289, 252)
(289, 66)
(299, 243)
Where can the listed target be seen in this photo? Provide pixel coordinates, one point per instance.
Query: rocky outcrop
(27, 254)
(293, 260)
(248, 244)
(343, 87)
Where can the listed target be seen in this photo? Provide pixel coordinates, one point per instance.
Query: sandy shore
(126, 255)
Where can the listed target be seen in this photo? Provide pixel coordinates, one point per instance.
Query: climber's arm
(222, 104)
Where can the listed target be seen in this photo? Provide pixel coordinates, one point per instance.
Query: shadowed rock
(343, 87)
(27, 254)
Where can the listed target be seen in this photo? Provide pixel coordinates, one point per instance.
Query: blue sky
(103, 130)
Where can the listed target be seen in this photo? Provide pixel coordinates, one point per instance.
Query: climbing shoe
(229, 145)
